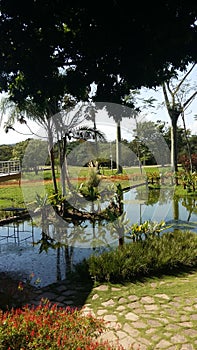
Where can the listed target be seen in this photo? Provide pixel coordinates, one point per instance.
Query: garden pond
(28, 255)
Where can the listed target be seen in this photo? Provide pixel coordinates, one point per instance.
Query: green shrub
(49, 327)
(143, 258)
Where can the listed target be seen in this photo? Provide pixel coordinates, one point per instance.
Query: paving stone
(131, 316)
(61, 288)
(113, 325)
(139, 324)
(69, 302)
(127, 342)
(68, 293)
(162, 282)
(108, 336)
(60, 299)
(115, 289)
(162, 319)
(155, 338)
(121, 334)
(187, 347)
(178, 299)
(188, 308)
(190, 332)
(95, 296)
(162, 296)
(133, 298)
(184, 318)
(101, 312)
(117, 326)
(154, 323)
(110, 318)
(134, 305)
(130, 330)
(189, 301)
(193, 317)
(147, 300)
(139, 311)
(138, 346)
(186, 324)
(87, 311)
(108, 303)
(121, 308)
(122, 300)
(177, 338)
(163, 344)
(167, 334)
(49, 295)
(153, 285)
(35, 302)
(172, 312)
(174, 304)
(151, 307)
(102, 288)
(38, 291)
(171, 327)
(144, 341)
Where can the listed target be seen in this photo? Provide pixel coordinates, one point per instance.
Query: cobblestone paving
(157, 321)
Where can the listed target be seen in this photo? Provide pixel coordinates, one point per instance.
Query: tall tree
(41, 40)
(53, 47)
(176, 103)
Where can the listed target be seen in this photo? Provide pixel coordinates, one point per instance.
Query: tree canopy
(51, 47)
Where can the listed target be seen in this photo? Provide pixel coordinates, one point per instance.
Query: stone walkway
(156, 321)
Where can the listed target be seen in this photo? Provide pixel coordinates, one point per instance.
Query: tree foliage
(49, 47)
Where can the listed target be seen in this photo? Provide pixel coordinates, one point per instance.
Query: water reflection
(57, 245)
(141, 204)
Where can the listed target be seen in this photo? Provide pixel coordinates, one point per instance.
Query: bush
(143, 258)
(49, 327)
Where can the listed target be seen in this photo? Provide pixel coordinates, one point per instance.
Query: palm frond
(86, 133)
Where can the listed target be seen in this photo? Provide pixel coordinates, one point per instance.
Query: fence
(10, 167)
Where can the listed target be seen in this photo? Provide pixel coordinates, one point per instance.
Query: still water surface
(21, 257)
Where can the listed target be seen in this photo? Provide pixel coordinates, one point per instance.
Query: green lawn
(11, 194)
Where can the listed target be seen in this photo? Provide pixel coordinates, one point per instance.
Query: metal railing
(10, 167)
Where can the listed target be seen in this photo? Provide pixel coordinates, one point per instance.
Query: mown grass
(11, 194)
(180, 290)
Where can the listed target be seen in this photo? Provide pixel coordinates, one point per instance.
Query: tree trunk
(187, 142)
(52, 159)
(118, 148)
(58, 265)
(174, 165)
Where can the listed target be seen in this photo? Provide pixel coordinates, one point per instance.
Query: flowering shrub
(184, 160)
(49, 327)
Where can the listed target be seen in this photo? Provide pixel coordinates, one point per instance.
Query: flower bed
(49, 327)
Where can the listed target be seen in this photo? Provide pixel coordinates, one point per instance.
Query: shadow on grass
(78, 287)
(84, 285)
